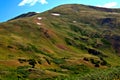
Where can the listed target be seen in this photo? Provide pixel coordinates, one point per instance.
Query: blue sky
(12, 8)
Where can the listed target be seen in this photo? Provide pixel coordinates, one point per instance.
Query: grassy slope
(60, 46)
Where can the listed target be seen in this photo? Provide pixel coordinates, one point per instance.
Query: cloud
(32, 2)
(43, 2)
(109, 5)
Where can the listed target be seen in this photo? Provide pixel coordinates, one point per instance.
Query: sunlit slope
(69, 35)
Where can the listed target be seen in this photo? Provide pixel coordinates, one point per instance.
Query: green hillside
(69, 42)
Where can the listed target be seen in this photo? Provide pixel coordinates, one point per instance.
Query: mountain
(68, 42)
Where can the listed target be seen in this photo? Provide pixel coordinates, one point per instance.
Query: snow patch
(74, 21)
(39, 23)
(39, 18)
(55, 14)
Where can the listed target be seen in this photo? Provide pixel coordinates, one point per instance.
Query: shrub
(69, 41)
(103, 62)
(24, 48)
(81, 46)
(58, 61)
(86, 59)
(22, 60)
(76, 69)
(48, 61)
(39, 61)
(22, 71)
(32, 62)
(75, 28)
(95, 62)
(105, 41)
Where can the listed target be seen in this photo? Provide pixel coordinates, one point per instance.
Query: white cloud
(109, 5)
(32, 2)
(43, 2)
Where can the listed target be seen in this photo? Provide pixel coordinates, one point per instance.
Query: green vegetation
(107, 74)
(83, 43)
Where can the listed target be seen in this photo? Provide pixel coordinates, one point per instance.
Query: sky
(12, 8)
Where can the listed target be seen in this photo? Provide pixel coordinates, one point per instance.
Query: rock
(111, 22)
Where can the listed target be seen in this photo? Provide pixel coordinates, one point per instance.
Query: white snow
(39, 18)
(39, 23)
(55, 14)
(74, 21)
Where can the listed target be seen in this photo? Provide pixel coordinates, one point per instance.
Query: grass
(105, 74)
(73, 46)
(80, 72)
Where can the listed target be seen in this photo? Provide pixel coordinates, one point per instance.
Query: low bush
(32, 62)
(105, 41)
(76, 69)
(22, 72)
(59, 61)
(48, 60)
(22, 60)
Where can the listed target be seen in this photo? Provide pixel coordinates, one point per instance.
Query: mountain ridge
(28, 14)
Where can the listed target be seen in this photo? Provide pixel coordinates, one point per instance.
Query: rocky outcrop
(111, 22)
(115, 42)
